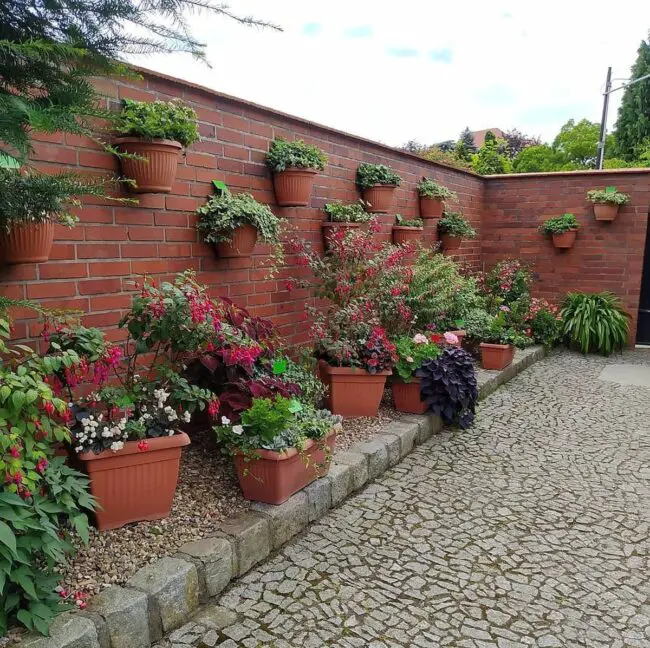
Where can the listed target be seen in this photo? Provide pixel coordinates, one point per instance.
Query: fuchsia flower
(213, 408)
(41, 466)
(48, 406)
(143, 445)
(14, 451)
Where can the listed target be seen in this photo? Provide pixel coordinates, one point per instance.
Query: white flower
(418, 338)
(225, 420)
(187, 417)
(409, 359)
(237, 429)
(79, 449)
(117, 445)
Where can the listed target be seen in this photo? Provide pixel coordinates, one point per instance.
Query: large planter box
(496, 356)
(275, 476)
(406, 396)
(133, 485)
(352, 392)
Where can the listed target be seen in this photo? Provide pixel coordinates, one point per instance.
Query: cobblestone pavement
(530, 529)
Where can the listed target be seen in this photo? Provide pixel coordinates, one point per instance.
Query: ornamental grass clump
(427, 188)
(371, 175)
(285, 155)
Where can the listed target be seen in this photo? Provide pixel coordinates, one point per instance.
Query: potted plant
(294, 166)
(433, 197)
(498, 341)
(563, 229)
(411, 353)
(343, 218)
(407, 231)
(607, 202)
(152, 137)
(377, 182)
(32, 203)
(453, 228)
(232, 222)
(279, 446)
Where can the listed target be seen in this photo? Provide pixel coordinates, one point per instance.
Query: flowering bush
(544, 322)
(412, 352)
(509, 281)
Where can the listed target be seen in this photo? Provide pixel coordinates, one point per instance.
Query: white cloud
(421, 70)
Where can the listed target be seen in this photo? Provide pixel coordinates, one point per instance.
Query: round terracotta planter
(329, 229)
(406, 396)
(404, 235)
(351, 391)
(605, 211)
(275, 476)
(379, 198)
(460, 334)
(564, 240)
(157, 171)
(450, 242)
(131, 484)
(293, 187)
(430, 207)
(26, 243)
(496, 356)
(242, 244)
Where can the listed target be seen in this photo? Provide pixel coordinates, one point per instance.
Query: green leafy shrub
(604, 196)
(225, 212)
(312, 389)
(500, 331)
(545, 322)
(351, 213)
(477, 324)
(417, 223)
(151, 120)
(294, 155)
(595, 322)
(427, 188)
(369, 175)
(412, 352)
(454, 224)
(559, 224)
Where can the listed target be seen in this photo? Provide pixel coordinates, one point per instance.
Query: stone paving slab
(530, 529)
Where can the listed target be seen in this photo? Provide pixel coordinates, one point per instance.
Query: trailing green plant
(477, 324)
(369, 175)
(303, 374)
(608, 196)
(595, 322)
(350, 213)
(285, 155)
(416, 223)
(225, 212)
(152, 120)
(411, 353)
(500, 331)
(428, 188)
(453, 224)
(559, 224)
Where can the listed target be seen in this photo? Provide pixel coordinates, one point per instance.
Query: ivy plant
(608, 196)
(559, 224)
(454, 224)
(369, 175)
(351, 213)
(416, 223)
(427, 188)
(285, 155)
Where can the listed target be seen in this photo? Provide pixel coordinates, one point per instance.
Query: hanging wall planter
(153, 165)
(407, 231)
(565, 240)
(26, 243)
(343, 218)
(378, 183)
(607, 202)
(241, 244)
(433, 197)
(563, 230)
(453, 228)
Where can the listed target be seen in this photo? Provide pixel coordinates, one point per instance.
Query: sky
(420, 69)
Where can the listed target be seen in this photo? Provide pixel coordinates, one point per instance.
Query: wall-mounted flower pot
(131, 484)
(293, 187)
(379, 198)
(351, 391)
(402, 235)
(26, 243)
(450, 242)
(275, 476)
(242, 244)
(605, 211)
(329, 229)
(460, 334)
(564, 240)
(430, 207)
(156, 172)
(406, 396)
(496, 356)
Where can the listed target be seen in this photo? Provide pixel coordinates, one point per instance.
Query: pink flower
(14, 452)
(451, 338)
(41, 466)
(418, 338)
(143, 446)
(213, 408)
(48, 406)
(504, 309)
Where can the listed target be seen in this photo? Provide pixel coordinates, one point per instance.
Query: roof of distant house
(479, 136)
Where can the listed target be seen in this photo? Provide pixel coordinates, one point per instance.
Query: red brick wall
(605, 256)
(92, 266)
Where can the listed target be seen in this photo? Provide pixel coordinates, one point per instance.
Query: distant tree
(541, 157)
(413, 146)
(578, 142)
(489, 159)
(446, 146)
(462, 152)
(633, 124)
(467, 139)
(436, 154)
(518, 141)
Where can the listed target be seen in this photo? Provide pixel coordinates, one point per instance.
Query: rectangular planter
(132, 484)
(406, 396)
(352, 391)
(275, 476)
(496, 356)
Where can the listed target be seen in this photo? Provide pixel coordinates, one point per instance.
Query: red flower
(48, 406)
(41, 466)
(213, 408)
(14, 451)
(143, 445)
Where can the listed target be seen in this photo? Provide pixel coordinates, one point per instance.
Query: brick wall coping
(560, 174)
(300, 120)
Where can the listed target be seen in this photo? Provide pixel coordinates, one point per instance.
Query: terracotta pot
(351, 391)
(293, 187)
(605, 211)
(157, 171)
(450, 242)
(402, 235)
(461, 336)
(430, 207)
(276, 476)
(496, 356)
(379, 198)
(26, 243)
(565, 239)
(406, 396)
(329, 229)
(133, 485)
(242, 243)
